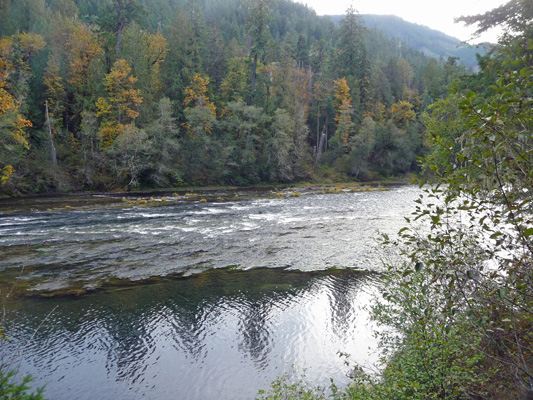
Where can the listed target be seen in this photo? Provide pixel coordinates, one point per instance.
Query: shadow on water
(216, 335)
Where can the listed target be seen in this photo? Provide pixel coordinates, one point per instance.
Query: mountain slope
(418, 37)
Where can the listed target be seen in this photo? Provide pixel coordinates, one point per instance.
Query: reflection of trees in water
(41, 337)
(181, 312)
(190, 325)
(254, 325)
(111, 328)
(340, 293)
(122, 328)
(258, 306)
(129, 344)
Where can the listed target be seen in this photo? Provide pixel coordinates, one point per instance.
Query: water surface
(178, 332)
(220, 335)
(65, 248)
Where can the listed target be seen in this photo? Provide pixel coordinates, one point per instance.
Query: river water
(271, 299)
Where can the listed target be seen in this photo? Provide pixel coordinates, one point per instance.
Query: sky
(437, 15)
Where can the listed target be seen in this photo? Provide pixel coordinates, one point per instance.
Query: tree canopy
(83, 78)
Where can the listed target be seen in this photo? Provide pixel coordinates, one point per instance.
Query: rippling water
(217, 335)
(221, 335)
(311, 232)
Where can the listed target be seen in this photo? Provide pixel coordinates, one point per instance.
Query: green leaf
(528, 232)
(418, 266)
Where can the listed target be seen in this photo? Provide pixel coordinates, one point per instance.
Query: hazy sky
(436, 14)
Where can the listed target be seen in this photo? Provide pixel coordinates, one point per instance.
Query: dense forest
(122, 94)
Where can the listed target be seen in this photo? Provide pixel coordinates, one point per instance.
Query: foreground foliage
(11, 389)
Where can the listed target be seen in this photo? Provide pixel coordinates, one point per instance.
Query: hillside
(421, 38)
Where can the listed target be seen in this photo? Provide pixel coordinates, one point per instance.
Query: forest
(121, 95)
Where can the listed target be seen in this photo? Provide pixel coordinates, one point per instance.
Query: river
(195, 299)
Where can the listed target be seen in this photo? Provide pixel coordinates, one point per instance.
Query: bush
(10, 389)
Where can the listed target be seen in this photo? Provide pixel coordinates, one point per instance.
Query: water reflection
(222, 334)
(214, 335)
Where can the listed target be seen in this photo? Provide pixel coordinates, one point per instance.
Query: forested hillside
(418, 37)
(123, 94)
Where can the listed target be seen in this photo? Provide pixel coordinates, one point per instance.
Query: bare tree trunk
(53, 153)
(254, 75)
(317, 125)
(321, 144)
(326, 139)
(119, 40)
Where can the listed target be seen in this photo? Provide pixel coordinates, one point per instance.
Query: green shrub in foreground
(11, 387)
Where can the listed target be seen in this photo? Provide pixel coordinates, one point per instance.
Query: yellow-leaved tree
(145, 52)
(157, 47)
(199, 110)
(15, 71)
(401, 113)
(118, 110)
(343, 118)
(82, 48)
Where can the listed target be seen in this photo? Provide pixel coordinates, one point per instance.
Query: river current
(286, 290)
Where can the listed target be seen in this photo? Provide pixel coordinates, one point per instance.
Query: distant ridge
(418, 37)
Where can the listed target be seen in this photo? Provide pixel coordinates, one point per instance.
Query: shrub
(10, 389)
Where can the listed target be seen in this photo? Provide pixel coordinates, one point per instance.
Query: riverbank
(167, 196)
(143, 191)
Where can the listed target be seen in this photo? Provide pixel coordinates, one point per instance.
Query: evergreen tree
(351, 58)
(258, 34)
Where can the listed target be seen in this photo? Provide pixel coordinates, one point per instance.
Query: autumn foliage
(15, 52)
(343, 104)
(124, 94)
(196, 97)
(120, 105)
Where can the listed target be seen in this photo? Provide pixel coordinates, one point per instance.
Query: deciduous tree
(343, 118)
(119, 109)
(15, 54)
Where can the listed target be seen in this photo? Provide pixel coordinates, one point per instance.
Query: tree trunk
(326, 142)
(119, 38)
(321, 142)
(317, 125)
(53, 153)
(254, 75)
